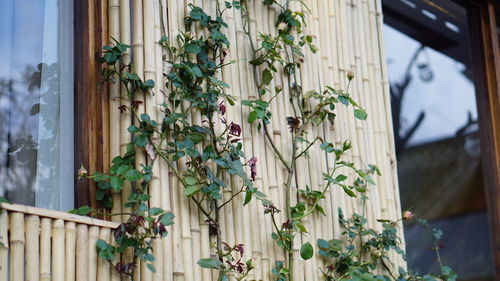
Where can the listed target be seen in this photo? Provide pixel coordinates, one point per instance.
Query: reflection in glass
(36, 103)
(436, 135)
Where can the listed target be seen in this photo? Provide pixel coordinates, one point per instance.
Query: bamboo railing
(43, 245)
(49, 245)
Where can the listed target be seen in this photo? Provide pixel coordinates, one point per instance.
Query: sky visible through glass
(446, 99)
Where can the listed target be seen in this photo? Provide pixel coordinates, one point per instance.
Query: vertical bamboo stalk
(114, 103)
(4, 244)
(103, 269)
(45, 249)
(126, 116)
(58, 259)
(92, 252)
(32, 248)
(70, 272)
(82, 248)
(17, 246)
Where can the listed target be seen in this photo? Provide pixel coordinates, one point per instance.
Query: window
(436, 128)
(36, 103)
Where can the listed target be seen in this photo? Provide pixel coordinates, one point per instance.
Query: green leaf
(155, 211)
(190, 180)
(348, 191)
(106, 255)
(149, 257)
(257, 61)
(209, 263)
(167, 219)
(192, 48)
(116, 183)
(83, 211)
(133, 129)
(190, 190)
(252, 117)
(306, 251)
(151, 267)
(3, 200)
(141, 140)
(248, 197)
(323, 244)
(301, 228)
(360, 114)
(148, 84)
(101, 245)
(340, 178)
(133, 175)
(267, 76)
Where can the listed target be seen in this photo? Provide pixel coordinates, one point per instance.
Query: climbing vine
(201, 146)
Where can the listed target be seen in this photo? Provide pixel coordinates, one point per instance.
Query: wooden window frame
(91, 104)
(486, 69)
(485, 54)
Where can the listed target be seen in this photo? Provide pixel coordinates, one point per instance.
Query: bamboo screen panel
(348, 34)
(49, 245)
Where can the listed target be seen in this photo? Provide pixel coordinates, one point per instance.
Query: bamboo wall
(46, 245)
(348, 34)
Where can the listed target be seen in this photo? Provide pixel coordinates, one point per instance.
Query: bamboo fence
(48, 245)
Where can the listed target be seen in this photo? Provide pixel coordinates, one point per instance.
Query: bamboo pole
(125, 116)
(82, 248)
(103, 269)
(70, 248)
(58, 258)
(32, 248)
(114, 103)
(150, 109)
(4, 244)
(92, 252)
(45, 249)
(17, 246)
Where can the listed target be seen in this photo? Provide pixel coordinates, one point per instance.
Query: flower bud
(350, 75)
(282, 26)
(82, 172)
(377, 253)
(408, 215)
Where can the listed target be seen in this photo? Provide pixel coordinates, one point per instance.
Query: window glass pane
(36, 102)
(435, 122)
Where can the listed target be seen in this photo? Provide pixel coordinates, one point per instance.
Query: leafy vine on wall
(202, 154)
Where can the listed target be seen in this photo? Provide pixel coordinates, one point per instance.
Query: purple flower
(234, 129)
(253, 167)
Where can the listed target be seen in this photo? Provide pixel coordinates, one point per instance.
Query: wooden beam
(91, 101)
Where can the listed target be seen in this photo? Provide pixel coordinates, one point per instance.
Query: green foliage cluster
(361, 251)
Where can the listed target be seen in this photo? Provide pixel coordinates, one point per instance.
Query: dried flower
(136, 104)
(159, 229)
(222, 108)
(293, 123)
(82, 172)
(270, 209)
(287, 225)
(253, 167)
(239, 248)
(234, 129)
(122, 108)
(213, 228)
(408, 215)
(350, 75)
